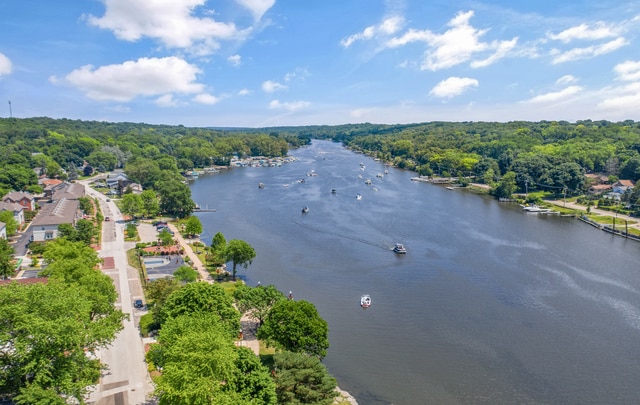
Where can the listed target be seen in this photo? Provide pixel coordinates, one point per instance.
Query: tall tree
(297, 327)
(49, 342)
(193, 226)
(175, 198)
(131, 204)
(257, 301)
(301, 379)
(6, 259)
(240, 253)
(11, 225)
(150, 203)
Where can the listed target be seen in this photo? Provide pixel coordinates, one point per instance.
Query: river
(490, 305)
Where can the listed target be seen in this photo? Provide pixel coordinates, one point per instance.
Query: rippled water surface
(490, 305)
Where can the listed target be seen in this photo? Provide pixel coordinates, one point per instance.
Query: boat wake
(327, 232)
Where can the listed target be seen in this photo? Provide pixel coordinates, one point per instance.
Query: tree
(49, 341)
(251, 379)
(506, 186)
(240, 253)
(193, 226)
(7, 267)
(131, 204)
(150, 203)
(218, 244)
(301, 379)
(11, 225)
(166, 238)
(257, 301)
(175, 198)
(85, 231)
(202, 298)
(186, 274)
(296, 326)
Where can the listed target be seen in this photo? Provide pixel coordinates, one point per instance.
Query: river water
(490, 305)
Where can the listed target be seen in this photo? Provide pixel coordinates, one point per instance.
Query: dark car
(138, 304)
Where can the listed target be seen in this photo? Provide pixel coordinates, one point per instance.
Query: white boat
(261, 185)
(365, 301)
(367, 182)
(379, 175)
(399, 248)
(358, 197)
(535, 209)
(305, 210)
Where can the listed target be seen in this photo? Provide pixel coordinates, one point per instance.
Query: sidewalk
(197, 263)
(635, 222)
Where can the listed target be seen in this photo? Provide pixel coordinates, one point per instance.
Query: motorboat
(305, 210)
(358, 196)
(333, 191)
(367, 182)
(536, 209)
(399, 248)
(261, 185)
(365, 301)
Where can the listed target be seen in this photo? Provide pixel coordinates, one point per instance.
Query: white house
(63, 209)
(16, 209)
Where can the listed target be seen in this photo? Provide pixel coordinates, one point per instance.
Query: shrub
(147, 324)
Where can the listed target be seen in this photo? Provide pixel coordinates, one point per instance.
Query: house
(28, 201)
(16, 209)
(117, 180)
(594, 178)
(135, 188)
(621, 186)
(3, 230)
(63, 208)
(600, 189)
(50, 186)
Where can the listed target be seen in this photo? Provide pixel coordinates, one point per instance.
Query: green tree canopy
(11, 225)
(150, 203)
(301, 379)
(6, 259)
(46, 334)
(175, 198)
(240, 253)
(186, 274)
(296, 326)
(131, 204)
(257, 301)
(202, 298)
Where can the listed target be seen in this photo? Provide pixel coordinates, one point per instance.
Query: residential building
(63, 208)
(600, 189)
(28, 201)
(621, 186)
(16, 209)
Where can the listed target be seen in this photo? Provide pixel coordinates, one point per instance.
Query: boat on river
(365, 301)
(367, 182)
(399, 248)
(305, 210)
(536, 209)
(333, 191)
(261, 185)
(358, 196)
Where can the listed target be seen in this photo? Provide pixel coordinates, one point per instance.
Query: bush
(147, 324)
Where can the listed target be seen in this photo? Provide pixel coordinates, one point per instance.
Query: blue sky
(257, 63)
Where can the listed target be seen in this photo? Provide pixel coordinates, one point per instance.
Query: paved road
(126, 380)
(634, 222)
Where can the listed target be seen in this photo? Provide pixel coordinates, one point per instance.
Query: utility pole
(10, 112)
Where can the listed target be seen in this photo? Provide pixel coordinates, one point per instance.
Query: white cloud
(170, 22)
(456, 45)
(235, 60)
(628, 70)
(589, 51)
(166, 101)
(5, 65)
(555, 96)
(257, 7)
(566, 79)
(387, 27)
(299, 73)
(453, 86)
(244, 92)
(623, 100)
(206, 98)
(270, 86)
(144, 77)
(293, 106)
(584, 32)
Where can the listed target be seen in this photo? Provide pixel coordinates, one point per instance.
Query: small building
(622, 186)
(16, 209)
(600, 189)
(28, 201)
(50, 186)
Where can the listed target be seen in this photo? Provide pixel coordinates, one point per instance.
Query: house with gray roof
(63, 208)
(28, 201)
(16, 209)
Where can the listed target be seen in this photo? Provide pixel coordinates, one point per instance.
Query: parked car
(138, 304)
(107, 219)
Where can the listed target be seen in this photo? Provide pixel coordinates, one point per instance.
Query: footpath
(633, 222)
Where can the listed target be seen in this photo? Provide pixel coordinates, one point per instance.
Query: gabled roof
(13, 207)
(625, 183)
(19, 195)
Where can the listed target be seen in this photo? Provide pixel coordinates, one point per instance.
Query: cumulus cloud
(292, 106)
(270, 86)
(555, 96)
(625, 99)
(457, 45)
(453, 86)
(299, 73)
(388, 26)
(144, 77)
(166, 100)
(566, 79)
(234, 60)
(244, 92)
(628, 70)
(206, 98)
(5, 65)
(585, 32)
(173, 23)
(257, 7)
(589, 51)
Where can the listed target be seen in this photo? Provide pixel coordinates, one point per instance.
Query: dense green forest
(547, 155)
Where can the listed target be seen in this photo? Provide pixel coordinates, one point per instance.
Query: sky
(263, 63)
